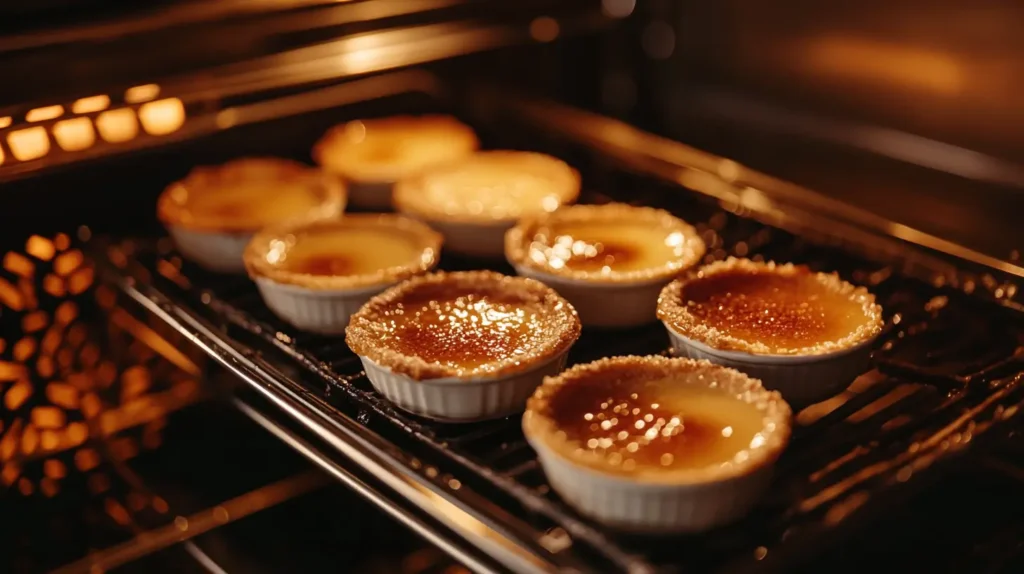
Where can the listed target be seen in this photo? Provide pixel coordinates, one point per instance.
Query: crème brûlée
(248, 194)
(654, 443)
(769, 309)
(490, 186)
(316, 274)
(384, 150)
(463, 325)
(610, 261)
(605, 243)
(645, 418)
(357, 250)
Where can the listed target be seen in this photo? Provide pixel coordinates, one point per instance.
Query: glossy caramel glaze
(249, 194)
(387, 149)
(354, 252)
(463, 324)
(462, 328)
(605, 246)
(631, 423)
(608, 243)
(792, 310)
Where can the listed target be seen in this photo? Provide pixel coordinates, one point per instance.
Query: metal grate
(949, 369)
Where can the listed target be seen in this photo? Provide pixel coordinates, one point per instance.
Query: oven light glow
(5, 122)
(28, 144)
(45, 113)
(118, 125)
(90, 104)
(74, 134)
(143, 93)
(162, 116)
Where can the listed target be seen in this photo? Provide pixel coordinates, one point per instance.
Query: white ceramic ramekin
(802, 380)
(482, 240)
(323, 311)
(456, 399)
(645, 507)
(216, 251)
(609, 306)
(657, 499)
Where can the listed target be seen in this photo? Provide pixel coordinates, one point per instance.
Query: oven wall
(946, 69)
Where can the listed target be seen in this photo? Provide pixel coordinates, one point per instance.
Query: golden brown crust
(562, 182)
(518, 242)
(173, 205)
(562, 326)
(673, 311)
(538, 425)
(442, 138)
(256, 263)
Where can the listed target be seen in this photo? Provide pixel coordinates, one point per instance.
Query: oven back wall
(944, 69)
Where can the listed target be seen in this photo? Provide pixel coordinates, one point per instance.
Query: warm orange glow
(90, 104)
(143, 93)
(68, 262)
(11, 372)
(40, 248)
(86, 459)
(45, 113)
(29, 440)
(48, 417)
(75, 134)
(28, 144)
(886, 64)
(61, 241)
(19, 264)
(50, 440)
(91, 405)
(5, 122)
(66, 313)
(77, 432)
(10, 297)
(10, 472)
(544, 29)
(162, 116)
(1, 156)
(34, 321)
(55, 469)
(80, 280)
(118, 125)
(17, 395)
(24, 349)
(54, 285)
(48, 487)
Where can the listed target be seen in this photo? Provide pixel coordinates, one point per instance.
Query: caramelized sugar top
(339, 250)
(493, 185)
(461, 327)
(634, 424)
(782, 311)
(253, 204)
(389, 148)
(604, 247)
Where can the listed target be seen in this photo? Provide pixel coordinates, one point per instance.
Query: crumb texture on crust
(770, 309)
(463, 325)
(658, 419)
(417, 247)
(612, 243)
(489, 187)
(247, 194)
(384, 150)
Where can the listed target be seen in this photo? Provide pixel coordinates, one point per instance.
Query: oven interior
(124, 371)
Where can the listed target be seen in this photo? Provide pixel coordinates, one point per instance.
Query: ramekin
(321, 311)
(676, 501)
(455, 399)
(802, 380)
(325, 303)
(607, 298)
(216, 251)
(606, 306)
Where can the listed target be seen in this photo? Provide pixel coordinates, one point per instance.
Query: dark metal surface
(949, 371)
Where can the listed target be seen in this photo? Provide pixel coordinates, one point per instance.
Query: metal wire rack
(948, 375)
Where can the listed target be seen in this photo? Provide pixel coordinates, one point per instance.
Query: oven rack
(948, 376)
